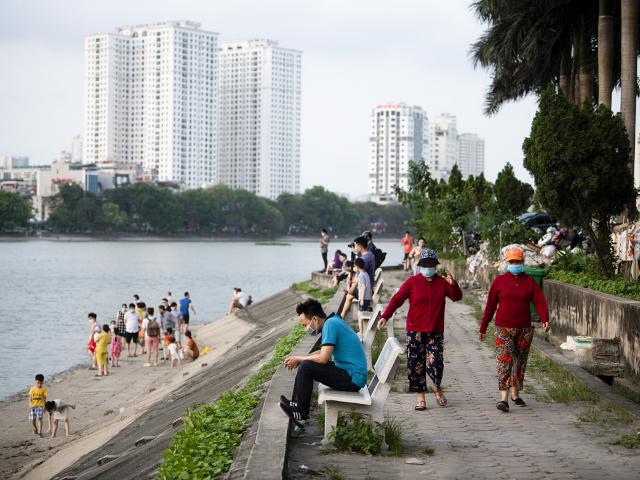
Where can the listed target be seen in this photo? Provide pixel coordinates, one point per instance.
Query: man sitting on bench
(347, 371)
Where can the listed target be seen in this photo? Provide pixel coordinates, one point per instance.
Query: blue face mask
(428, 271)
(515, 269)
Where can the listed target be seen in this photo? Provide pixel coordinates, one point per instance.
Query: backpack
(379, 256)
(153, 329)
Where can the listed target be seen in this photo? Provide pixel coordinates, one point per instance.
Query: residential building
(76, 149)
(150, 98)
(470, 154)
(399, 134)
(443, 145)
(12, 161)
(259, 117)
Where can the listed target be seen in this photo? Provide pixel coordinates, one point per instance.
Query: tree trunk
(628, 68)
(563, 80)
(605, 53)
(586, 86)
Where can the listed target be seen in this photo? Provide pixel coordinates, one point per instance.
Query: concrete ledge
(268, 457)
(576, 310)
(321, 279)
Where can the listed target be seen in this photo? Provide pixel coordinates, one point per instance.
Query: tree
(74, 210)
(420, 185)
(114, 218)
(629, 67)
(14, 211)
(513, 196)
(605, 52)
(579, 160)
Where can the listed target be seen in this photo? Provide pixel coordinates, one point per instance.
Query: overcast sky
(356, 54)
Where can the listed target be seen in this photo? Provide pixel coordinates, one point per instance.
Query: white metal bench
(370, 399)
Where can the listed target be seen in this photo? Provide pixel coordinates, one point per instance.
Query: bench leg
(330, 421)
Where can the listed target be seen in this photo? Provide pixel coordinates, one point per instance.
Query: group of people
(154, 329)
(411, 251)
(341, 363)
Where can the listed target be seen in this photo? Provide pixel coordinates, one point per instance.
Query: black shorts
(237, 304)
(365, 306)
(128, 336)
(341, 277)
(185, 318)
(406, 256)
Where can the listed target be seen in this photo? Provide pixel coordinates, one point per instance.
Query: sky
(356, 54)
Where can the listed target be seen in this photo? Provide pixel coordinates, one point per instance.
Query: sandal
(518, 401)
(420, 406)
(440, 398)
(503, 406)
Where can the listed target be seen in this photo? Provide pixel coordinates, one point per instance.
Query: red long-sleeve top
(511, 295)
(426, 302)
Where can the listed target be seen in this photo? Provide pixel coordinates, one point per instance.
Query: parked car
(539, 221)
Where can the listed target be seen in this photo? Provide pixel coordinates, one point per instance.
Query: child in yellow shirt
(102, 350)
(37, 399)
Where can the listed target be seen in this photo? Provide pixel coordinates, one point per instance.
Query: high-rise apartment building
(150, 98)
(398, 135)
(259, 117)
(443, 145)
(470, 154)
(76, 149)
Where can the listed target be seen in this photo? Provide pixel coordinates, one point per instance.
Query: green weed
(429, 451)
(558, 382)
(393, 435)
(355, 434)
(333, 473)
(629, 441)
(323, 295)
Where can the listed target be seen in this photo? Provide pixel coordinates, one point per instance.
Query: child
(167, 341)
(173, 349)
(60, 411)
(91, 346)
(190, 350)
(116, 345)
(102, 349)
(364, 292)
(37, 399)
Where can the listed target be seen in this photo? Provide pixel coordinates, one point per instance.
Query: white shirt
(173, 349)
(131, 321)
(242, 298)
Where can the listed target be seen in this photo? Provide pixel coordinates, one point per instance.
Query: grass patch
(323, 295)
(558, 382)
(213, 431)
(615, 286)
(357, 434)
(429, 451)
(333, 473)
(629, 441)
(393, 435)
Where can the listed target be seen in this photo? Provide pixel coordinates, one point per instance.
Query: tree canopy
(15, 211)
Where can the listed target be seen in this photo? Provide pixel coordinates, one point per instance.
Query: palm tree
(628, 67)
(605, 52)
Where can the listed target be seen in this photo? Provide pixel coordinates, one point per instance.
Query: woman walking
(426, 292)
(511, 293)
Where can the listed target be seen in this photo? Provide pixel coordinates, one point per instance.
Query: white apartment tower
(470, 154)
(150, 98)
(259, 117)
(443, 143)
(398, 135)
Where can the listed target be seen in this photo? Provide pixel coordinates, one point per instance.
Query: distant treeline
(217, 210)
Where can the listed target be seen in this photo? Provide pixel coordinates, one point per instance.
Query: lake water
(47, 288)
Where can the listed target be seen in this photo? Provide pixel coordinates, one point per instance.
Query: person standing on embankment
(511, 294)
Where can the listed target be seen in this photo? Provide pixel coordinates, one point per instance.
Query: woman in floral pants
(511, 293)
(426, 292)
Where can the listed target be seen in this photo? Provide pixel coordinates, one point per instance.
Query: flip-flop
(503, 406)
(519, 402)
(420, 406)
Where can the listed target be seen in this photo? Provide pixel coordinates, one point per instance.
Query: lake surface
(47, 288)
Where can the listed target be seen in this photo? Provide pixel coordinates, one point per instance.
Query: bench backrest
(375, 296)
(373, 321)
(377, 274)
(385, 367)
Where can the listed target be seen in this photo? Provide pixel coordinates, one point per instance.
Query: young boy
(37, 399)
(173, 349)
(364, 292)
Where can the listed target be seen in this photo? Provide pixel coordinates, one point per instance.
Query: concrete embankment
(132, 447)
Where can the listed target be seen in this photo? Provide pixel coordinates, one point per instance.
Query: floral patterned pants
(512, 352)
(425, 356)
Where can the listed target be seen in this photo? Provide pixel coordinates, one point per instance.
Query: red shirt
(407, 244)
(511, 295)
(426, 302)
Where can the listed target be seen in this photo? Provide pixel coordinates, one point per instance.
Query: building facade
(12, 161)
(150, 98)
(398, 134)
(470, 154)
(259, 89)
(443, 145)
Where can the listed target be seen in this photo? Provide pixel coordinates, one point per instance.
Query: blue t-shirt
(369, 265)
(348, 352)
(184, 305)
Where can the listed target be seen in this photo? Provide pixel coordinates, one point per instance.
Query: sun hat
(513, 253)
(428, 258)
(367, 234)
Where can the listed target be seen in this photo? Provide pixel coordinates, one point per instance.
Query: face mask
(310, 330)
(515, 269)
(428, 271)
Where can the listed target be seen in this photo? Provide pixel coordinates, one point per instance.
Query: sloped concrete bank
(131, 459)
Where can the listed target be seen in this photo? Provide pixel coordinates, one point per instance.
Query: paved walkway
(470, 438)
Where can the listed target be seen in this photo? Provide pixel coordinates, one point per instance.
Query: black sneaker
(294, 414)
(285, 401)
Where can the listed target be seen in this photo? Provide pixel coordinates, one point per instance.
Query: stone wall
(580, 311)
